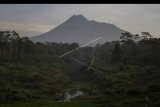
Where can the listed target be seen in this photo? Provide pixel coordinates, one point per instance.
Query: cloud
(39, 18)
(39, 28)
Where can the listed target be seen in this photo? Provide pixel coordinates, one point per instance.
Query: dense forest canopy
(128, 69)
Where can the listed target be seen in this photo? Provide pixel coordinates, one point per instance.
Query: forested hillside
(127, 71)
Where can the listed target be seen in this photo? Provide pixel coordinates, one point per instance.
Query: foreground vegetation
(51, 103)
(127, 72)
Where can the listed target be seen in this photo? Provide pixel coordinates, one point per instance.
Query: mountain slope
(78, 29)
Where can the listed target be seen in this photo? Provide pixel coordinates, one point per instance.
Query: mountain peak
(79, 17)
(81, 30)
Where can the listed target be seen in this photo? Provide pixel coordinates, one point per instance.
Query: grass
(49, 103)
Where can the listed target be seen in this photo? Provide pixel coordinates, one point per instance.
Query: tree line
(135, 49)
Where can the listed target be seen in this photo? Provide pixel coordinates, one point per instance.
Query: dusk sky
(34, 19)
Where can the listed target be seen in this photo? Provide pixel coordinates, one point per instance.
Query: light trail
(80, 47)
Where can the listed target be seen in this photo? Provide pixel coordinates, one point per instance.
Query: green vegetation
(32, 74)
(51, 103)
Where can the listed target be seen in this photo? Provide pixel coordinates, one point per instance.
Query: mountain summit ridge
(79, 29)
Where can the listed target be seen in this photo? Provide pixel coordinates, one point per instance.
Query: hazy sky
(34, 19)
